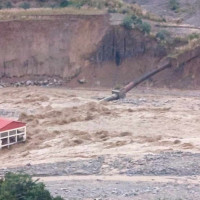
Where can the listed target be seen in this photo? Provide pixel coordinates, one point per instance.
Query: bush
(64, 3)
(22, 187)
(8, 4)
(194, 36)
(174, 5)
(42, 1)
(145, 27)
(112, 10)
(25, 5)
(163, 35)
(128, 22)
(124, 10)
(136, 20)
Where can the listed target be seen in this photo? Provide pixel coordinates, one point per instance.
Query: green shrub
(42, 1)
(174, 4)
(53, 5)
(194, 36)
(22, 187)
(136, 20)
(124, 11)
(25, 5)
(8, 4)
(112, 10)
(163, 35)
(145, 27)
(128, 22)
(64, 3)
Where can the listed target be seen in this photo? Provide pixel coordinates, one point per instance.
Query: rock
(35, 83)
(98, 83)
(18, 84)
(29, 164)
(45, 82)
(40, 83)
(82, 81)
(29, 82)
(59, 82)
(156, 190)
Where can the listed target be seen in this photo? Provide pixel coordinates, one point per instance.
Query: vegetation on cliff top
(44, 7)
(134, 21)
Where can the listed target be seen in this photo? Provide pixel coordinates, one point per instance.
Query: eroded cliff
(55, 46)
(87, 47)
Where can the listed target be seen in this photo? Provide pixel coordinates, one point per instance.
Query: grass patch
(191, 45)
(21, 14)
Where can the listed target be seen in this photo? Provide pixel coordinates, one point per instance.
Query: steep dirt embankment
(75, 45)
(54, 46)
(186, 73)
(121, 56)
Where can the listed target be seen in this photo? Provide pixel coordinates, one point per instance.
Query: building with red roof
(11, 132)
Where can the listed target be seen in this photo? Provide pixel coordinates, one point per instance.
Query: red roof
(7, 124)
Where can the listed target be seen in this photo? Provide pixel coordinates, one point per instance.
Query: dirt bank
(69, 46)
(53, 46)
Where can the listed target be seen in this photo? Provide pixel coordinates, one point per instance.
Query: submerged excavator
(164, 64)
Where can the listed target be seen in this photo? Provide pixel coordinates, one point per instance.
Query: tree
(163, 35)
(174, 5)
(145, 27)
(64, 3)
(25, 5)
(134, 21)
(22, 187)
(8, 4)
(128, 22)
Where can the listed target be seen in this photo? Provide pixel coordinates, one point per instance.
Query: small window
(13, 139)
(4, 134)
(20, 130)
(5, 141)
(12, 132)
(20, 138)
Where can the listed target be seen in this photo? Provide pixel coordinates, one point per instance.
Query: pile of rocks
(45, 83)
(2, 85)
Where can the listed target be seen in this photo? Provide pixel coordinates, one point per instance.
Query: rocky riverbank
(170, 175)
(164, 164)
